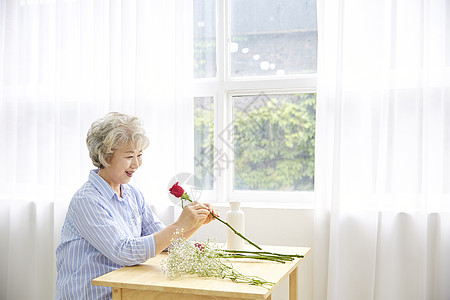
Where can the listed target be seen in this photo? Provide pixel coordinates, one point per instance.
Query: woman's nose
(135, 162)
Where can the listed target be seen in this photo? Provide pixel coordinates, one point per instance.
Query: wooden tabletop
(149, 276)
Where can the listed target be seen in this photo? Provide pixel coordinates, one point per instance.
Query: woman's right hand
(193, 215)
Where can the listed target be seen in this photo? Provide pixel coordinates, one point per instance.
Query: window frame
(222, 88)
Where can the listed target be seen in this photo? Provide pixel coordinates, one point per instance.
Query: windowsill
(290, 206)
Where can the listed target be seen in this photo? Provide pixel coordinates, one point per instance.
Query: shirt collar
(104, 188)
(126, 191)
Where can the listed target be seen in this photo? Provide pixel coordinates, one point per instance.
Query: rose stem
(271, 258)
(264, 252)
(226, 223)
(236, 232)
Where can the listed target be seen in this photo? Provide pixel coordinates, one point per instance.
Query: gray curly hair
(111, 132)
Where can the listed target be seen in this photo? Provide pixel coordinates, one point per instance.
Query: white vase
(235, 217)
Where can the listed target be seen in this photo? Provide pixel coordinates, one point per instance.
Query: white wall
(269, 226)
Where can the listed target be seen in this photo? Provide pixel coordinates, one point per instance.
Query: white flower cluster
(203, 259)
(189, 258)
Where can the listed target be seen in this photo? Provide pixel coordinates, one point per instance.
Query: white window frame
(222, 89)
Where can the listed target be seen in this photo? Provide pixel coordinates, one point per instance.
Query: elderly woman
(109, 224)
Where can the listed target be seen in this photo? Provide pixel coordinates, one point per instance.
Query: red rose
(176, 190)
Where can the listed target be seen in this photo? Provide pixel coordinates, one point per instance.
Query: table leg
(117, 294)
(293, 285)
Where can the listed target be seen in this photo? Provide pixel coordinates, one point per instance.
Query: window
(255, 71)
(204, 141)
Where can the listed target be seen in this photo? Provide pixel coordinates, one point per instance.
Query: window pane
(204, 38)
(273, 37)
(204, 141)
(274, 142)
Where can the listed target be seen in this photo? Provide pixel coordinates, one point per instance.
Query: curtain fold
(64, 64)
(382, 159)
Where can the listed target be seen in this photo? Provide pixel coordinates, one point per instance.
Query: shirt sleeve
(95, 223)
(150, 222)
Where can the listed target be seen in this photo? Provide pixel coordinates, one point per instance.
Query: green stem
(264, 252)
(236, 232)
(271, 258)
(186, 197)
(254, 280)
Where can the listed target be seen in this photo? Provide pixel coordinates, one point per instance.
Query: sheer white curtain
(382, 222)
(64, 64)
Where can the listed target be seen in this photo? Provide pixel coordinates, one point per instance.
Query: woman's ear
(108, 158)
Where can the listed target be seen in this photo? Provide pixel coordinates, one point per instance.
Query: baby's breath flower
(203, 259)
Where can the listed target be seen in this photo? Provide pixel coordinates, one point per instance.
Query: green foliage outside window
(273, 143)
(204, 141)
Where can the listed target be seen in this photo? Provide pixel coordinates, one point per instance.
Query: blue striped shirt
(102, 232)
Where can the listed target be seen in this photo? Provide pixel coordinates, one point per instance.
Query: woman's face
(123, 163)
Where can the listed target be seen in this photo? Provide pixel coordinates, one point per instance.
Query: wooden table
(146, 281)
